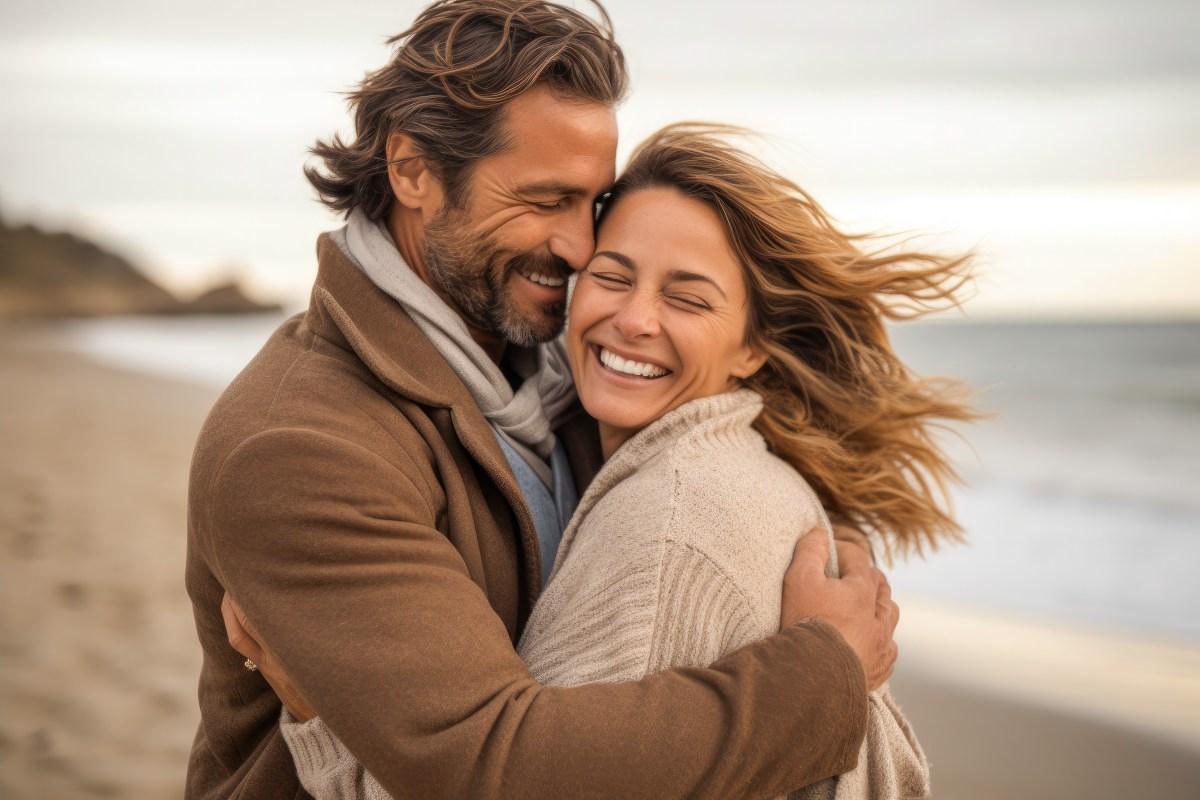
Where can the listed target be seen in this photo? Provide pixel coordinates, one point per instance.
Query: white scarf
(524, 418)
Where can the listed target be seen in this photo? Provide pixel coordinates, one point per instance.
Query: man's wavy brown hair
(839, 405)
(447, 85)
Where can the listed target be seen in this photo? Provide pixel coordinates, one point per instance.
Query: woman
(730, 342)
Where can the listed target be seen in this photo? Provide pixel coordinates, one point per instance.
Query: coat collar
(347, 308)
(350, 311)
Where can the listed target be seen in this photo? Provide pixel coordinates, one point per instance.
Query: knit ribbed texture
(326, 767)
(674, 558)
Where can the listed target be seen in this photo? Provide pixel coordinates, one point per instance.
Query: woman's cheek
(587, 305)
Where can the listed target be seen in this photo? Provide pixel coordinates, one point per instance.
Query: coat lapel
(379, 331)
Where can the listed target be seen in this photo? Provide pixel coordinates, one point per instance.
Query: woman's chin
(612, 413)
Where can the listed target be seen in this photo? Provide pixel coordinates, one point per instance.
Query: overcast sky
(1061, 135)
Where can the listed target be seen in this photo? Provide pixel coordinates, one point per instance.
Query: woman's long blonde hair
(839, 405)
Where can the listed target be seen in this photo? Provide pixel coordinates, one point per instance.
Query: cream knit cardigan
(674, 558)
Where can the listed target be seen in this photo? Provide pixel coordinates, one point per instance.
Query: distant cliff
(61, 274)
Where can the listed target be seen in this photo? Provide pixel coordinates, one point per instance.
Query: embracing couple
(440, 547)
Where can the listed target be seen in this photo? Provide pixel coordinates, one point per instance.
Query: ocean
(1081, 500)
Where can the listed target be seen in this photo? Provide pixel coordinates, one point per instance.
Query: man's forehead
(556, 139)
(536, 106)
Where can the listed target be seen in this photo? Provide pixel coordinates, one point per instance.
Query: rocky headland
(61, 274)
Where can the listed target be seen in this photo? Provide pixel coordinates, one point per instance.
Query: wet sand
(98, 659)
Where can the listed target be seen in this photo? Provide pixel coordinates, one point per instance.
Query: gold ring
(250, 665)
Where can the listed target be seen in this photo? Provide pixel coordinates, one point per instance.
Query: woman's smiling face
(659, 316)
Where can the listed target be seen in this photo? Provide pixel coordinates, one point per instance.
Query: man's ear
(412, 183)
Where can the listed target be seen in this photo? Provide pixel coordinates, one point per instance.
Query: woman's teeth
(630, 367)
(545, 280)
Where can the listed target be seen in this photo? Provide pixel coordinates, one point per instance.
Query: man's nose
(574, 239)
(638, 316)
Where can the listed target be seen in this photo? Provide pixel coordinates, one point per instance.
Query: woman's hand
(246, 641)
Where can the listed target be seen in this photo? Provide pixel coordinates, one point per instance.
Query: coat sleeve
(371, 611)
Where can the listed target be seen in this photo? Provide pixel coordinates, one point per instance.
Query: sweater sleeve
(891, 762)
(326, 768)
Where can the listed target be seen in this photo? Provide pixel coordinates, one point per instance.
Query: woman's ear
(750, 361)
(412, 183)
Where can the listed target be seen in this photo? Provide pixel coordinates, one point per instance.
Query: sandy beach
(98, 660)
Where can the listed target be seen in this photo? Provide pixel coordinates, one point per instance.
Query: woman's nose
(638, 316)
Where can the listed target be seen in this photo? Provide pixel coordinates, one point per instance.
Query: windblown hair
(839, 405)
(447, 85)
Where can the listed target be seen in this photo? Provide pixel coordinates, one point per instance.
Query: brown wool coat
(348, 493)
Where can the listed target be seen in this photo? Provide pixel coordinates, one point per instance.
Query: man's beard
(473, 272)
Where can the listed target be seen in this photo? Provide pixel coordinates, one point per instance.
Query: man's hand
(844, 535)
(859, 604)
(245, 640)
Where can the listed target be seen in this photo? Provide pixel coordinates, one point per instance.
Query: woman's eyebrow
(672, 276)
(683, 275)
(622, 259)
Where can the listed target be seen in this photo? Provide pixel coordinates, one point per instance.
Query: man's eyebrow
(672, 276)
(552, 187)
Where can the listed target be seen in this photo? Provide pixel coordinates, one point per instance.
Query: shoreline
(1008, 706)
(1142, 682)
(98, 660)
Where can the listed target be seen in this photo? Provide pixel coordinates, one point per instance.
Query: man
(384, 505)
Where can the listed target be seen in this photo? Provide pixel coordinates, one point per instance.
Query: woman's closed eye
(690, 301)
(611, 279)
